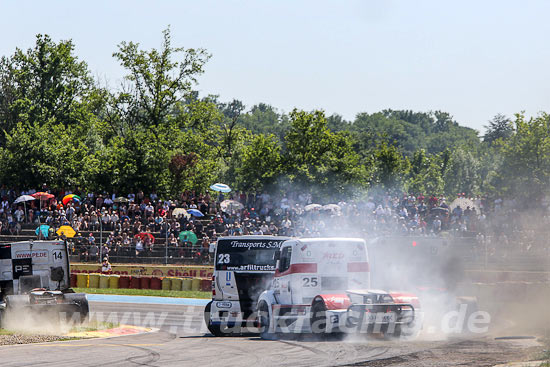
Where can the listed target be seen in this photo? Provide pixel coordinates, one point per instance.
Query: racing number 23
(223, 258)
(310, 282)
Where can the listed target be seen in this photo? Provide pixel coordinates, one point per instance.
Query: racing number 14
(57, 255)
(309, 282)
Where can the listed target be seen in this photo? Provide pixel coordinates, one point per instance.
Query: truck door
(281, 282)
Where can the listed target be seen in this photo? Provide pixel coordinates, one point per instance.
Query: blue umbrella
(220, 187)
(44, 229)
(195, 212)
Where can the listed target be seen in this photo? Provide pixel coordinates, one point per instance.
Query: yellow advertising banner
(154, 270)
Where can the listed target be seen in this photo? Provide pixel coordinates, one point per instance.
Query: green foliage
(462, 173)
(45, 84)
(259, 164)
(156, 134)
(525, 169)
(157, 81)
(425, 174)
(36, 154)
(411, 131)
(500, 127)
(389, 167)
(318, 160)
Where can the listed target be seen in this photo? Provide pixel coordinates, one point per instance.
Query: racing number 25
(310, 282)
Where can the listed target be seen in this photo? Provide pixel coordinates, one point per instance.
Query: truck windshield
(247, 254)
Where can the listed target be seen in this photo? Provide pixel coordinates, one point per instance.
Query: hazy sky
(473, 59)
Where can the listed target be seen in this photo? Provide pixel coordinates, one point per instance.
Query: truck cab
(309, 267)
(322, 285)
(243, 267)
(34, 278)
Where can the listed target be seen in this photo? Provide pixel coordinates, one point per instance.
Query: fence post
(166, 226)
(101, 240)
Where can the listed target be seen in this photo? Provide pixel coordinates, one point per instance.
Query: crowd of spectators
(143, 225)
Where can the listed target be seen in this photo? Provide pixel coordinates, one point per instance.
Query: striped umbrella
(70, 197)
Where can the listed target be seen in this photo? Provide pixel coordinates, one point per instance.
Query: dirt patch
(464, 353)
(11, 339)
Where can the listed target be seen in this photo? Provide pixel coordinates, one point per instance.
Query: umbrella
(121, 199)
(70, 197)
(464, 203)
(42, 195)
(179, 212)
(188, 236)
(24, 198)
(313, 207)
(44, 229)
(440, 211)
(66, 230)
(143, 235)
(220, 187)
(228, 205)
(195, 212)
(332, 207)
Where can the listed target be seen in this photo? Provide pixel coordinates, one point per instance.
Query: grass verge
(146, 292)
(93, 326)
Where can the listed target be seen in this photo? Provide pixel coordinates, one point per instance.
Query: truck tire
(80, 303)
(318, 320)
(214, 329)
(265, 322)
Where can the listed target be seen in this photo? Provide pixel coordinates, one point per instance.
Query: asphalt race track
(182, 340)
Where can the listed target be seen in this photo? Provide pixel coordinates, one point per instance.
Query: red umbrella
(42, 195)
(142, 235)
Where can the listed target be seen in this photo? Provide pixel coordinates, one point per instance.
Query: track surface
(182, 340)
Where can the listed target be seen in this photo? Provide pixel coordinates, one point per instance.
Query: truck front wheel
(265, 322)
(214, 329)
(318, 319)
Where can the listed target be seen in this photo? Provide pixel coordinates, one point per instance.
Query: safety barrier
(94, 280)
(82, 280)
(124, 282)
(186, 284)
(103, 281)
(176, 284)
(115, 281)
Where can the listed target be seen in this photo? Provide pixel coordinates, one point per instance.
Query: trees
(425, 174)
(390, 168)
(462, 173)
(156, 118)
(156, 133)
(259, 164)
(157, 81)
(525, 170)
(44, 83)
(319, 161)
(499, 127)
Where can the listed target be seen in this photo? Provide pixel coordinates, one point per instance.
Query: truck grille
(334, 283)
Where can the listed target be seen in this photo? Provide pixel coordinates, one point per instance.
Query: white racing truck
(322, 286)
(35, 281)
(243, 268)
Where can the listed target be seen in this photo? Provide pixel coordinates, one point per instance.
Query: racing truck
(34, 281)
(322, 286)
(243, 267)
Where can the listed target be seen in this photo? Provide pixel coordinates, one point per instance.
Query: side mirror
(277, 256)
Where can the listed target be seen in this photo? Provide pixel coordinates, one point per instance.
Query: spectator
(106, 266)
